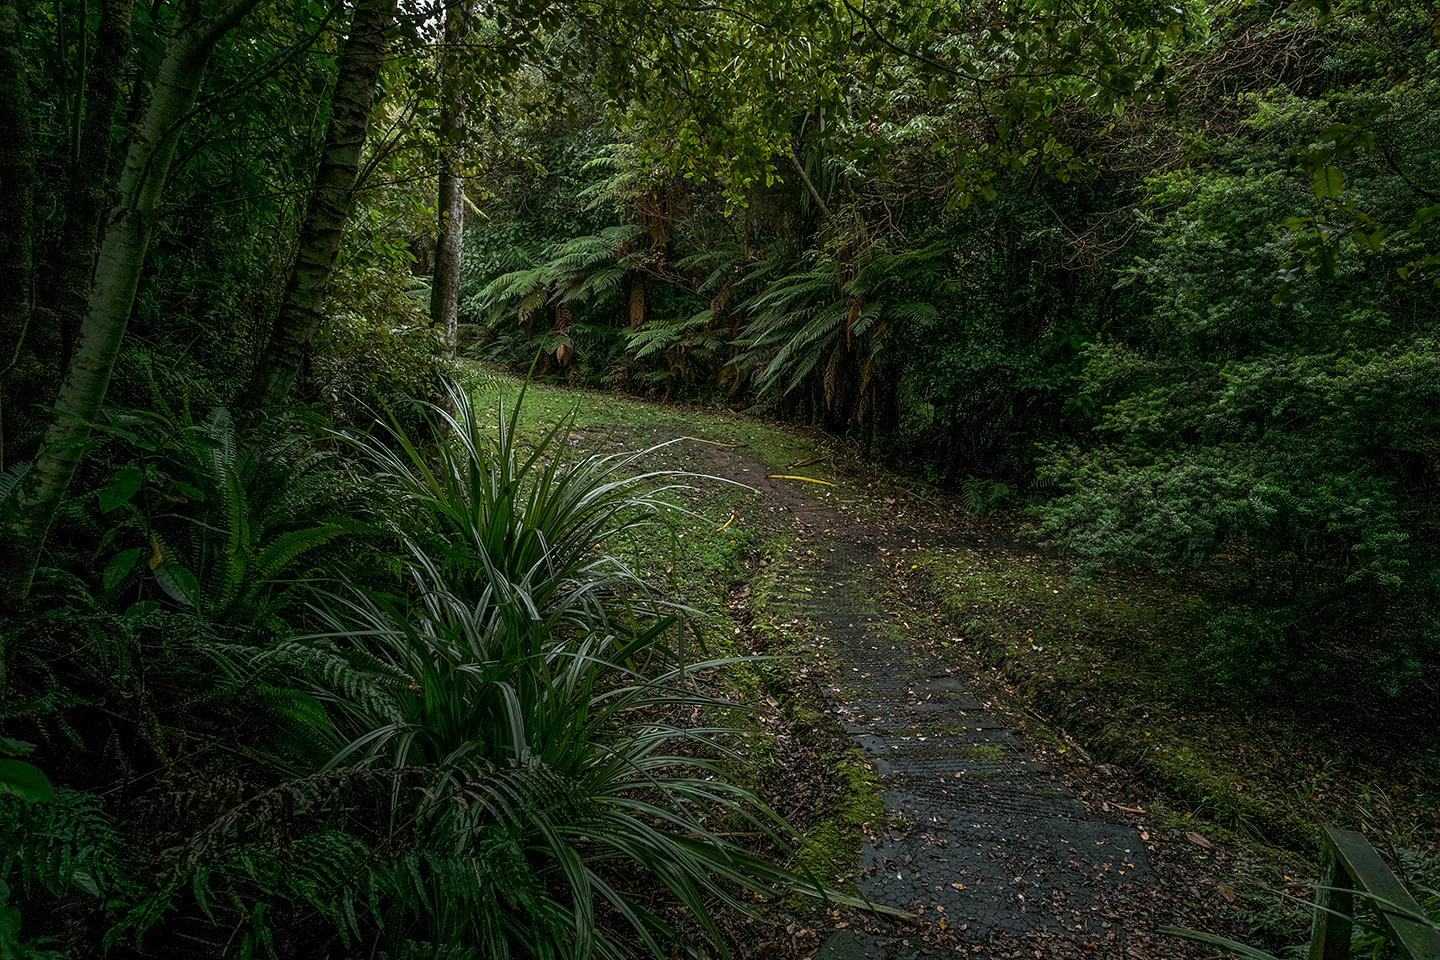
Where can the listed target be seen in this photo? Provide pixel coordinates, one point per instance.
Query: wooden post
(1353, 869)
(1334, 910)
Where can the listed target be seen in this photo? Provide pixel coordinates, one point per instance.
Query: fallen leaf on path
(1198, 840)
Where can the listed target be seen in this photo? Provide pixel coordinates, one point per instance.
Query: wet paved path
(982, 840)
(981, 837)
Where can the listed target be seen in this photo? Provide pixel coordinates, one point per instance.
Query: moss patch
(832, 845)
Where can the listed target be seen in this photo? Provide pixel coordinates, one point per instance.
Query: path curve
(990, 849)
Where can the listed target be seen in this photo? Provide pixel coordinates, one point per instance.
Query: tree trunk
(637, 300)
(90, 175)
(304, 305)
(112, 294)
(449, 239)
(17, 201)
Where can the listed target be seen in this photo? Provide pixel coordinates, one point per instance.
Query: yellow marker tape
(727, 522)
(786, 476)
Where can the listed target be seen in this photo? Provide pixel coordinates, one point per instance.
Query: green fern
(661, 335)
(11, 478)
(797, 312)
(586, 269)
(229, 521)
(982, 496)
(66, 844)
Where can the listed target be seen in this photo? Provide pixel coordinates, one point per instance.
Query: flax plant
(579, 804)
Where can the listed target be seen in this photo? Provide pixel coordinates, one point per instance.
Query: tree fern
(796, 312)
(660, 335)
(581, 269)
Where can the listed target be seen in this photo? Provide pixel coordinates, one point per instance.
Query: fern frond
(11, 478)
(67, 843)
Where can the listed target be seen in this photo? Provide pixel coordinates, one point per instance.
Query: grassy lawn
(775, 445)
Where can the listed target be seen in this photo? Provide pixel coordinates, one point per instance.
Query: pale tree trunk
(445, 287)
(90, 174)
(303, 308)
(445, 292)
(112, 294)
(17, 201)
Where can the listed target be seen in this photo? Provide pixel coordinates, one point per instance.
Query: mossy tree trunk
(331, 197)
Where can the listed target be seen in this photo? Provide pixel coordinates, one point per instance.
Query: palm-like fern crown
(583, 269)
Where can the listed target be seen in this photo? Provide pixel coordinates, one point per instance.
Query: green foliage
(1372, 936)
(20, 779)
(376, 346)
(222, 522)
(532, 677)
(805, 321)
(68, 842)
(583, 269)
(1288, 434)
(559, 792)
(366, 363)
(62, 845)
(1170, 263)
(1270, 413)
(516, 525)
(981, 495)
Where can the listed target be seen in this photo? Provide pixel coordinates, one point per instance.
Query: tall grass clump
(576, 801)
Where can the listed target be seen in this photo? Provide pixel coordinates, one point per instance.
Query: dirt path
(993, 851)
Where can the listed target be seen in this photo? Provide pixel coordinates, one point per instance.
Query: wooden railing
(1352, 866)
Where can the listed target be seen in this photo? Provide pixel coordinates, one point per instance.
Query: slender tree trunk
(17, 201)
(810, 186)
(90, 175)
(637, 300)
(82, 66)
(112, 294)
(304, 305)
(445, 287)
